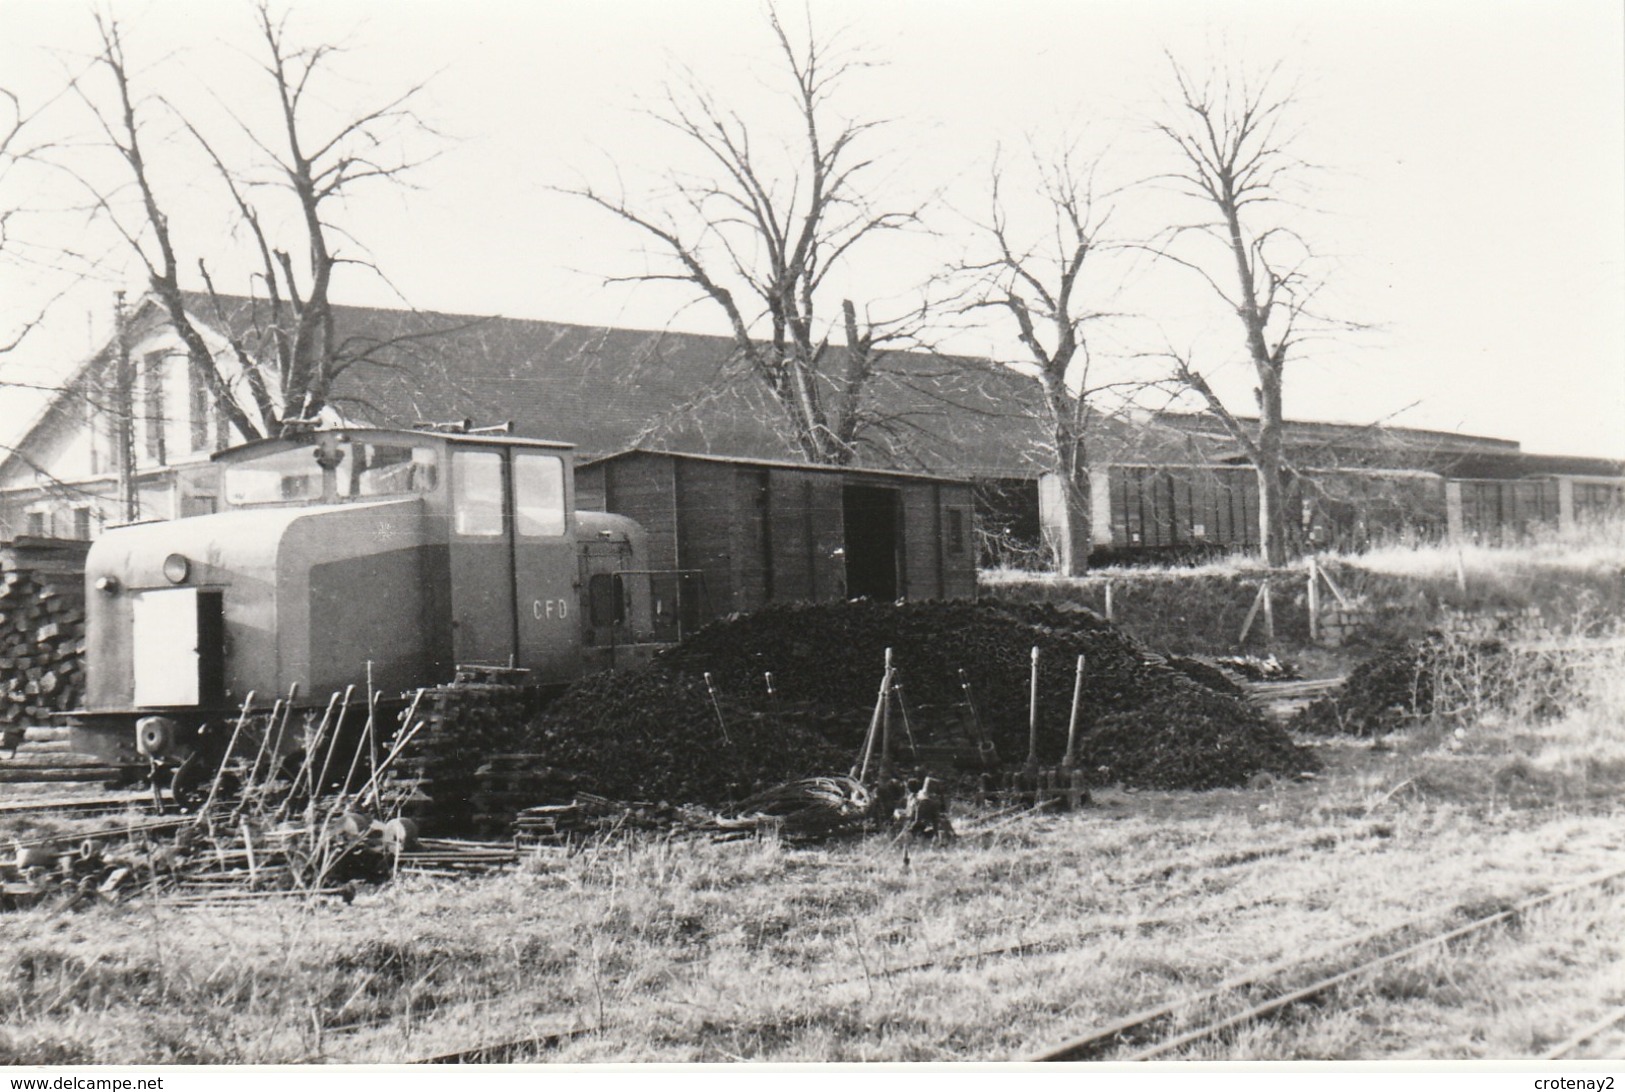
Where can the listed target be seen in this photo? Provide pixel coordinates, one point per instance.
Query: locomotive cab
(372, 558)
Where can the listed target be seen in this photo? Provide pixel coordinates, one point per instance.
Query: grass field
(664, 950)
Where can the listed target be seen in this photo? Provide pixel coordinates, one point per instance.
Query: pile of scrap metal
(808, 810)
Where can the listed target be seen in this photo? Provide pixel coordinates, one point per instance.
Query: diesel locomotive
(388, 560)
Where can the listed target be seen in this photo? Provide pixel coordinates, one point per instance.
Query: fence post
(1110, 615)
(1314, 600)
(1269, 615)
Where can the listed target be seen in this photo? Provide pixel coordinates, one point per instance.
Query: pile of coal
(662, 734)
(658, 735)
(1208, 673)
(1438, 676)
(1188, 739)
(1391, 690)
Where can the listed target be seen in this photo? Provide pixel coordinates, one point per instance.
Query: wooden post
(860, 768)
(1110, 614)
(1314, 600)
(1461, 571)
(1269, 614)
(1031, 766)
(1252, 612)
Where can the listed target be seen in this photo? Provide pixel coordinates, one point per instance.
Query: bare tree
(1233, 146)
(288, 354)
(759, 239)
(1036, 285)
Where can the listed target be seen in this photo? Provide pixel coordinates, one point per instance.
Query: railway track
(1154, 1033)
(109, 804)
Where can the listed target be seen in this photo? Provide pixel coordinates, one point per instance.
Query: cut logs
(42, 631)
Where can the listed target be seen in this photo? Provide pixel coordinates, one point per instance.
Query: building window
(199, 404)
(81, 524)
(152, 409)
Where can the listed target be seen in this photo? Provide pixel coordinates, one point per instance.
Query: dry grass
(1023, 933)
(680, 951)
(1596, 548)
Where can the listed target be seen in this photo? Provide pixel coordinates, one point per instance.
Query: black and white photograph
(640, 536)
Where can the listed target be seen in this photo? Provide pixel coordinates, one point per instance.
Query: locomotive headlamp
(177, 568)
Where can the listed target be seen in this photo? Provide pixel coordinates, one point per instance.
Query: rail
(1097, 1042)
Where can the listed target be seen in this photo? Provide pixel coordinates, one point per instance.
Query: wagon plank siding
(705, 521)
(958, 553)
(826, 518)
(753, 543)
(921, 576)
(644, 487)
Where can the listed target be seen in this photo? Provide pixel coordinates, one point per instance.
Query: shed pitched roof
(607, 389)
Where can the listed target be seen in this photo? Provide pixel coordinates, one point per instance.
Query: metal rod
(372, 720)
(984, 746)
(355, 761)
(860, 769)
(712, 690)
(307, 769)
(369, 790)
(265, 738)
(214, 786)
(886, 723)
(338, 730)
(1031, 765)
(908, 727)
(281, 736)
(1071, 756)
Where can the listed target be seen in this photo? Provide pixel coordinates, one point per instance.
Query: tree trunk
(1066, 522)
(1271, 490)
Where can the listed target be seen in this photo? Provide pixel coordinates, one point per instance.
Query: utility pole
(124, 415)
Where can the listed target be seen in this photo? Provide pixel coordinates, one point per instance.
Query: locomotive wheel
(189, 784)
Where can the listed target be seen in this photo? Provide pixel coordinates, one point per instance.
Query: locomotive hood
(164, 599)
(218, 549)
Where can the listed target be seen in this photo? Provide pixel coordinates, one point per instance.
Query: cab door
(546, 578)
(482, 584)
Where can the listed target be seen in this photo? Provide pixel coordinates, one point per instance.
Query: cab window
(538, 494)
(359, 470)
(277, 478)
(381, 470)
(476, 493)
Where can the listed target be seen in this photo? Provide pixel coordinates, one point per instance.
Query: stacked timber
(42, 631)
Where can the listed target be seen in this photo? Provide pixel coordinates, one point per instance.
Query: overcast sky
(1470, 201)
